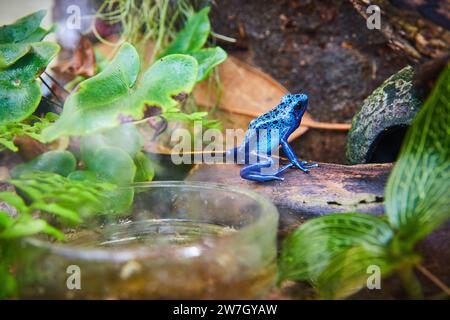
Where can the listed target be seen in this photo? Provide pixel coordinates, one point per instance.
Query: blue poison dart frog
(265, 134)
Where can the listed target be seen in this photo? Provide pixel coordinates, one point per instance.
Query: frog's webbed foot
(308, 165)
(303, 165)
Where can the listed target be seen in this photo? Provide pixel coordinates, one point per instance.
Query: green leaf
(22, 28)
(113, 165)
(24, 226)
(5, 220)
(207, 60)
(60, 162)
(21, 93)
(31, 127)
(125, 137)
(104, 100)
(145, 170)
(193, 36)
(81, 175)
(59, 211)
(116, 166)
(350, 270)
(38, 35)
(8, 144)
(311, 249)
(14, 200)
(10, 53)
(83, 197)
(418, 190)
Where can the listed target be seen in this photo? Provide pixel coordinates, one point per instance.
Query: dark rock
(378, 128)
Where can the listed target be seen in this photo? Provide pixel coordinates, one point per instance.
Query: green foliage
(145, 170)
(207, 60)
(12, 229)
(418, 190)
(125, 137)
(31, 127)
(193, 36)
(60, 162)
(333, 252)
(105, 99)
(192, 39)
(146, 20)
(22, 60)
(22, 29)
(70, 198)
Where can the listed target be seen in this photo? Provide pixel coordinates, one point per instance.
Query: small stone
(130, 268)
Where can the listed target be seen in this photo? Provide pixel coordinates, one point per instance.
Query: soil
(322, 48)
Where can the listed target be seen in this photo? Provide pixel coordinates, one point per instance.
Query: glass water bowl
(179, 241)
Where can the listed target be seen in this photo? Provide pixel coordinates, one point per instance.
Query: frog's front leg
(253, 171)
(304, 166)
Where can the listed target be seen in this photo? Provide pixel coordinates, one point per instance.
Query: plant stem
(161, 30)
(411, 283)
(441, 285)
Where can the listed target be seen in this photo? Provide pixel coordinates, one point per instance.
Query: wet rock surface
(322, 48)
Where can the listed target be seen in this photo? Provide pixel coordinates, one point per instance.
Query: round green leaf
(113, 165)
(60, 162)
(125, 137)
(10, 53)
(21, 28)
(21, 94)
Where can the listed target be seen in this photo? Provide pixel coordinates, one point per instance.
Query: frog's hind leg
(253, 171)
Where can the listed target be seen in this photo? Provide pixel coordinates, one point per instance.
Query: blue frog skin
(277, 125)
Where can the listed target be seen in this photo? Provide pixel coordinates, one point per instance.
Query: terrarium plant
(333, 252)
(59, 187)
(23, 58)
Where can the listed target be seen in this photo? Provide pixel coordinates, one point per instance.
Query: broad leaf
(115, 166)
(107, 99)
(125, 137)
(60, 162)
(193, 36)
(311, 249)
(21, 94)
(22, 28)
(145, 170)
(418, 190)
(38, 35)
(10, 53)
(207, 60)
(350, 270)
